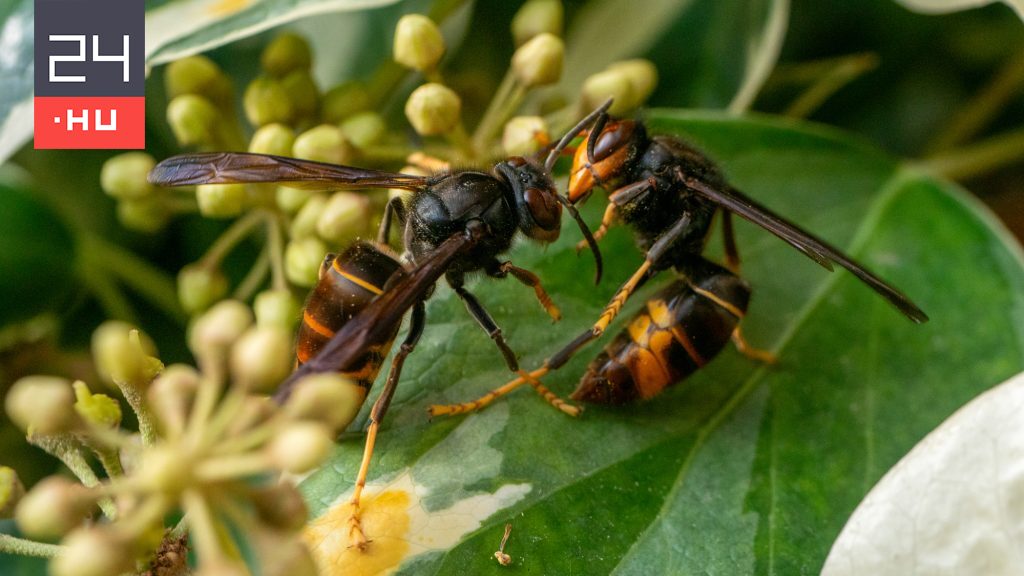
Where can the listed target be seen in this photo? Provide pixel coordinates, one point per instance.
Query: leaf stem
(135, 396)
(977, 113)
(275, 247)
(231, 237)
(23, 547)
(254, 278)
(203, 526)
(492, 117)
(102, 286)
(839, 73)
(763, 53)
(69, 451)
(976, 159)
(156, 286)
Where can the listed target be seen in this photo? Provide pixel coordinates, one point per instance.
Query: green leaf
(16, 39)
(743, 468)
(187, 27)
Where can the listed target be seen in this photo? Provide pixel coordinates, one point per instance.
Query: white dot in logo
(56, 119)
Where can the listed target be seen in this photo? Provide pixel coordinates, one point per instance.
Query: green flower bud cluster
(434, 109)
(200, 111)
(215, 433)
(285, 93)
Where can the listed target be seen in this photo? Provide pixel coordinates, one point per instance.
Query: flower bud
(286, 53)
(123, 354)
(200, 76)
(329, 398)
(364, 129)
(303, 92)
(266, 101)
(302, 260)
(11, 491)
(292, 199)
(280, 506)
(539, 61)
(164, 468)
(524, 135)
(54, 506)
(148, 215)
(42, 405)
(642, 77)
(304, 223)
(276, 139)
(262, 358)
(277, 308)
(608, 84)
(323, 143)
(343, 101)
(219, 327)
(124, 175)
(345, 218)
(200, 286)
(537, 17)
(93, 551)
(433, 109)
(300, 447)
(193, 119)
(171, 395)
(418, 43)
(220, 200)
(98, 409)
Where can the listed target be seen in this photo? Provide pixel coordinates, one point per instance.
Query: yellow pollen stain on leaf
(399, 526)
(385, 520)
(227, 7)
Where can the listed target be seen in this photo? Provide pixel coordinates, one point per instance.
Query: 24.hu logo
(90, 74)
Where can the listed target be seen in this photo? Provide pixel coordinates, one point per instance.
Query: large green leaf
(744, 468)
(184, 27)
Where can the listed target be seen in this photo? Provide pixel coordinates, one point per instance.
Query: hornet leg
(487, 323)
(380, 408)
(530, 279)
(530, 378)
(395, 208)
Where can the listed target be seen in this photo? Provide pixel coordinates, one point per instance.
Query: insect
(456, 223)
(348, 282)
(668, 192)
(679, 330)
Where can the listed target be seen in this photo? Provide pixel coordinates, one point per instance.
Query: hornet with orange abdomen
(669, 192)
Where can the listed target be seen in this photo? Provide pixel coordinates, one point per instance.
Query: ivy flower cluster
(212, 450)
